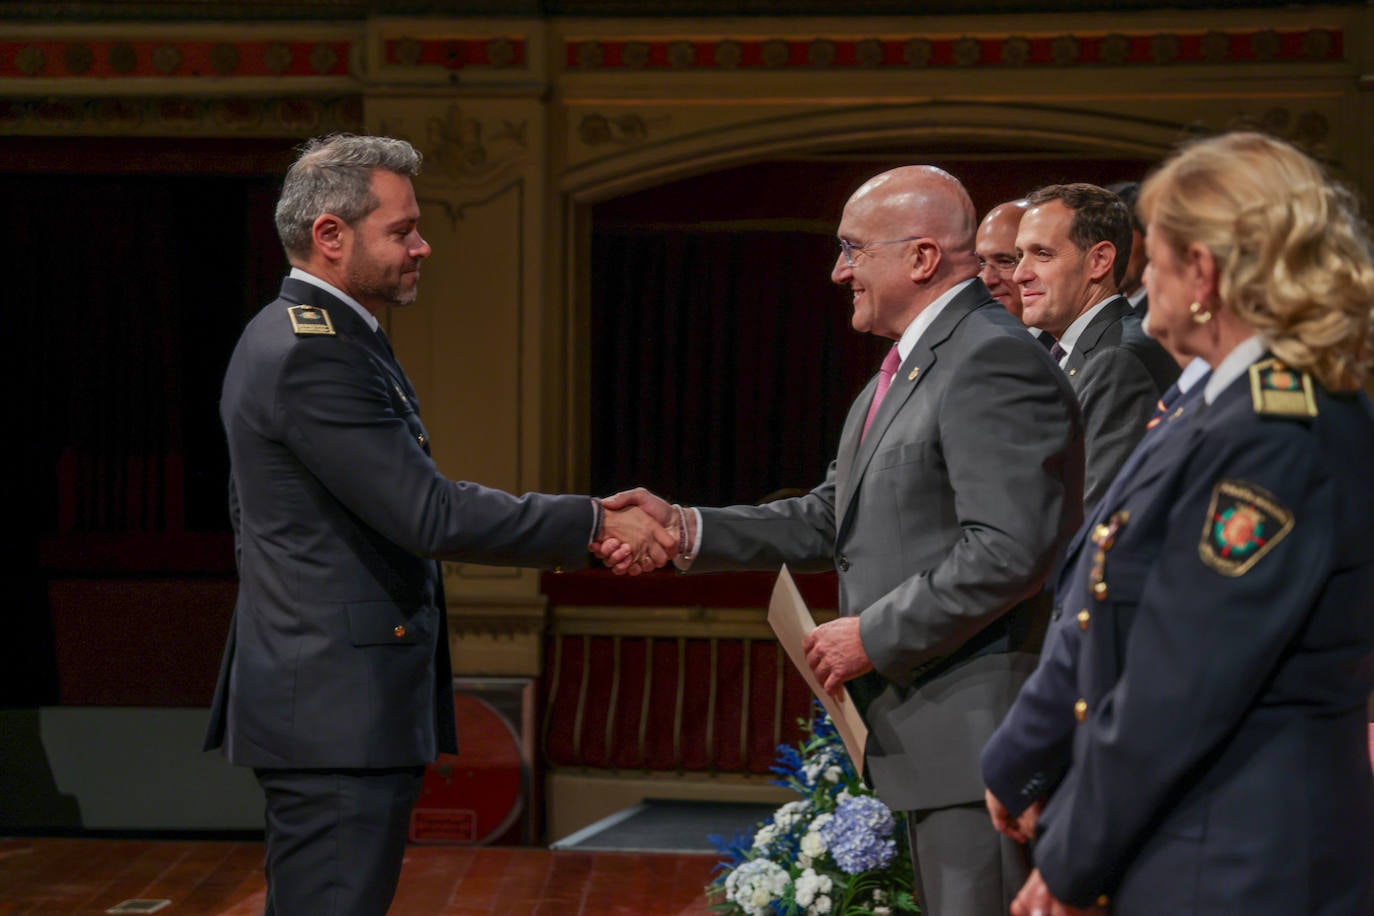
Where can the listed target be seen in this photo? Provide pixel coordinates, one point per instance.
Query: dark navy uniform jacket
(1221, 657)
(337, 655)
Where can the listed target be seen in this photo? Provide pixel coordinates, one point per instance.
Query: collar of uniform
(1079, 325)
(304, 277)
(1195, 370)
(912, 335)
(1233, 366)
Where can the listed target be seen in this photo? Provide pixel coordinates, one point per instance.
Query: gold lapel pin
(914, 372)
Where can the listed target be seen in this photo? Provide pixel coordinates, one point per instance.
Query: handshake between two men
(834, 650)
(634, 543)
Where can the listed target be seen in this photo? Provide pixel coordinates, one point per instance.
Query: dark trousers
(335, 839)
(963, 866)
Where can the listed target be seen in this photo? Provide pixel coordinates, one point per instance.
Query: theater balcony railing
(664, 686)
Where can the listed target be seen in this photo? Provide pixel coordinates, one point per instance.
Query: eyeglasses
(1002, 263)
(847, 248)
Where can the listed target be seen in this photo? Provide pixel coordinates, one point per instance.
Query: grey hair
(333, 175)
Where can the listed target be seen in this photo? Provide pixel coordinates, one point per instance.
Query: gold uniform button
(399, 631)
(1101, 533)
(420, 439)
(1080, 710)
(1083, 618)
(1100, 590)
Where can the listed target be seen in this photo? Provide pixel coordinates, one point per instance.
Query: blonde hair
(1294, 258)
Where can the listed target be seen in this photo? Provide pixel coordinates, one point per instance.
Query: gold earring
(1201, 314)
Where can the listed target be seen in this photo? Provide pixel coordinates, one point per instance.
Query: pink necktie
(885, 373)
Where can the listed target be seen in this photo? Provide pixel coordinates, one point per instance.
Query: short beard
(390, 295)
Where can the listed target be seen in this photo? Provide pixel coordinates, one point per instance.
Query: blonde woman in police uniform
(1225, 603)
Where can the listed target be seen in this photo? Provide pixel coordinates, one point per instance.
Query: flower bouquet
(837, 850)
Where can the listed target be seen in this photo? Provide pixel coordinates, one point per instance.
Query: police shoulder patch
(1244, 522)
(307, 319)
(1277, 390)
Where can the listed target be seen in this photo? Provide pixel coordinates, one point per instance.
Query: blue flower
(788, 765)
(836, 850)
(735, 849)
(860, 835)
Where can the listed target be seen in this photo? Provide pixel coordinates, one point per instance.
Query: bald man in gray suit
(943, 513)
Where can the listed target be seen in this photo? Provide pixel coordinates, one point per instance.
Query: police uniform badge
(307, 319)
(1244, 522)
(1279, 391)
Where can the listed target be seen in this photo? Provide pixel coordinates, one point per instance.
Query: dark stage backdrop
(133, 267)
(723, 364)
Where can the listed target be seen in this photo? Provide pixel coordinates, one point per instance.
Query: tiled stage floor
(203, 878)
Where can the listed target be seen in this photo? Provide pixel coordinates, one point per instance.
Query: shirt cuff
(683, 561)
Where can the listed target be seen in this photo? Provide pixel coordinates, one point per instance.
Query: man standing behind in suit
(995, 246)
(950, 499)
(1133, 283)
(1069, 272)
(336, 684)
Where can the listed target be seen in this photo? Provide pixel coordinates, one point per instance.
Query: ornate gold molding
(625, 129)
(180, 115)
(468, 152)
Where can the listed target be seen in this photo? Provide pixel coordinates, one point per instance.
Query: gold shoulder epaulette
(307, 319)
(1282, 392)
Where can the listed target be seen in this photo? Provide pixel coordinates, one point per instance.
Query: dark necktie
(1057, 352)
(396, 364)
(1046, 340)
(885, 373)
(386, 343)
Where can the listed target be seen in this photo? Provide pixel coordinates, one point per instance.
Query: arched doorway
(709, 304)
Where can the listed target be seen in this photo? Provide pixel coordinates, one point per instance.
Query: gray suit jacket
(943, 524)
(1118, 373)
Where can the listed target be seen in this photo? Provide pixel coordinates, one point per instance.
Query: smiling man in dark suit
(336, 684)
(1072, 245)
(949, 501)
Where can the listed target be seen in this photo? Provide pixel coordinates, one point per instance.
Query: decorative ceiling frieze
(123, 59)
(1211, 47)
(497, 52)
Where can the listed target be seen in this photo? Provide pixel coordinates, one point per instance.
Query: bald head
(922, 200)
(996, 248)
(908, 237)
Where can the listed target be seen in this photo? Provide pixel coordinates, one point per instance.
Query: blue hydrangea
(859, 836)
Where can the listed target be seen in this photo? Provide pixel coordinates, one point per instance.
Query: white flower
(764, 838)
(810, 885)
(813, 844)
(790, 814)
(833, 774)
(820, 907)
(755, 884)
(882, 911)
